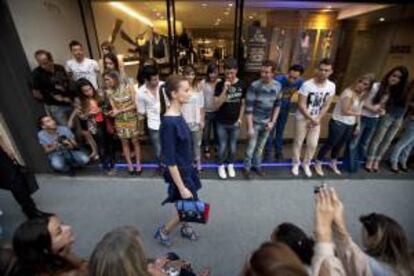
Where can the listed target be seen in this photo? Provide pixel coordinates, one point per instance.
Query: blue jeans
(402, 149)
(156, 143)
(276, 135)
(62, 161)
(210, 125)
(255, 146)
(227, 135)
(357, 148)
(339, 135)
(60, 113)
(386, 130)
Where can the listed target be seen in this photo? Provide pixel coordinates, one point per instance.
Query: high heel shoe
(394, 170)
(368, 169)
(138, 171)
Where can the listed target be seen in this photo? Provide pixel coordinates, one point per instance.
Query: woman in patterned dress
(121, 98)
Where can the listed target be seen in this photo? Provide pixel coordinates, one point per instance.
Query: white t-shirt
(149, 105)
(191, 110)
(371, 95)
(356, 107)
(317, 96)
(87, 69)
(208, 91)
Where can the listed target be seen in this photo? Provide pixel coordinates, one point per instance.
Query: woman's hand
(114, 112)
(324, 215)
(185, 193)
(339, 216)
(357, 130)
(250, 132)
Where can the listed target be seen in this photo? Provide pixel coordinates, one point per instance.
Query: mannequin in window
(143, 46)
(159, 48)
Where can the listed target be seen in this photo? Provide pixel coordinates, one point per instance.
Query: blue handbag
(193, 210)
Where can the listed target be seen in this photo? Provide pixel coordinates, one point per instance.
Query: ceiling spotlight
(230, 4)
(251, 17)
(382, 19)
(204, 5)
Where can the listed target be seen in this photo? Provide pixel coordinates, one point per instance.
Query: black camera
(318, 188)
(61, 139)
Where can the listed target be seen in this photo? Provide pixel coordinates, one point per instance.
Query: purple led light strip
(215, 166)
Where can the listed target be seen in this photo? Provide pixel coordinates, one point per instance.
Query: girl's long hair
(388, 242)
(32, 245)
(121, 253)
(396, 93)
(84, 100)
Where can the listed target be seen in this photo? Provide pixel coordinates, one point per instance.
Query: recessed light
(226, 13)
(251, 17)
(382, 19)
(204, 5)
(329, 7)
(230, 4)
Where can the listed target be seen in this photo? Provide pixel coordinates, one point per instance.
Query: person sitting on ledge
(60, 146)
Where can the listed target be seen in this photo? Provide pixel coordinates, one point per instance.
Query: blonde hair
(370, 77)
(120, 252)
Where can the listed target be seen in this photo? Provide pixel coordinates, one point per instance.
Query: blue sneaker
(164, 239)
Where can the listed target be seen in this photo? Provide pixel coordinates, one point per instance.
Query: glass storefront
(283, 31)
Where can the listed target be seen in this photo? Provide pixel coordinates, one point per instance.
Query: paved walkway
(243, 213)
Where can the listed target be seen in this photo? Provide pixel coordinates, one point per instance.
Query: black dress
(176, 149)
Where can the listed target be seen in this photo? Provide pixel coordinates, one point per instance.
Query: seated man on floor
(60, 146)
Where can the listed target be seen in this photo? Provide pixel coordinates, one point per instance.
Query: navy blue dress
(176, 149)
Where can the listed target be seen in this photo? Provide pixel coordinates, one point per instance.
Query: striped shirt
(261, 99)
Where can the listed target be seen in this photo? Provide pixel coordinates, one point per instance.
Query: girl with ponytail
(176, 152)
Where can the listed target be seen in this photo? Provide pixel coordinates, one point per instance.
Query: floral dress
(126, 123)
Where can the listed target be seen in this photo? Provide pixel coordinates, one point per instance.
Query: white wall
(49, 25)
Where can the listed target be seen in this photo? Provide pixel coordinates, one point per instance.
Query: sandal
(138, 170)
(163, 238)
(187, 232)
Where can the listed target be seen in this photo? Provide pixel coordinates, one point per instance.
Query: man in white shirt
(147, 101)
(315, 97)
(80, 66)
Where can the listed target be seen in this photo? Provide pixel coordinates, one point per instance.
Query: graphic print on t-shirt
(234, 94)
(315, 102)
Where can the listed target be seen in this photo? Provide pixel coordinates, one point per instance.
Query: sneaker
(222, 172)
(318, 169)
(231, 171)
(307, 170)
(295, 169)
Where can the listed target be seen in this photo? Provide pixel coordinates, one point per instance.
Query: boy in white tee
(315, 97)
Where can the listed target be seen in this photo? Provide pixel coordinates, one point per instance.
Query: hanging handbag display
(193, 210)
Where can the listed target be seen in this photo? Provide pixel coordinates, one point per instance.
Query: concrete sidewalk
(243, 213)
